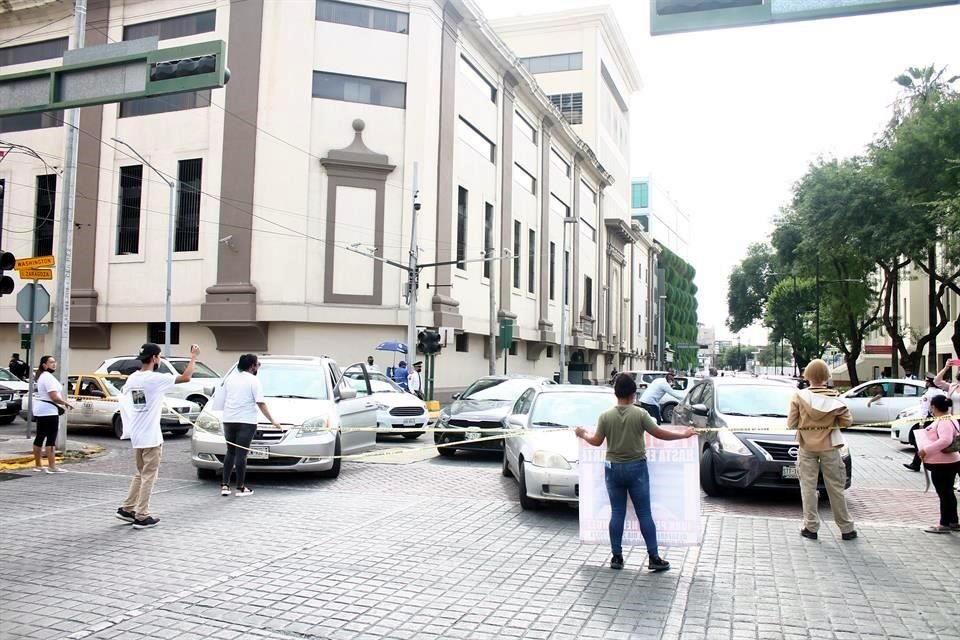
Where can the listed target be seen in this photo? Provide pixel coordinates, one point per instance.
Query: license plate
(259, 453)
(473, 435)
(789, 473)
(409, 422)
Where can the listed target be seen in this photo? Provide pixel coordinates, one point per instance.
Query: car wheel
(707, 479)
(200, 401)
(446, 452)
(413, 436)
(206, 474)
(505, 468)
(525, 501)
(667, 413)
(118, 426)
(334, 471)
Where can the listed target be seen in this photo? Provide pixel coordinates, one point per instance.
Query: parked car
(897, 395)
(911, 417)
(543, 459)
(199, 390)
(315, 403)
(485, 404)
(644, 377)
(733, 456)
(96, 398)
(396, 408)
(13, 395)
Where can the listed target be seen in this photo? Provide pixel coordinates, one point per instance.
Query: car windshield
(200, 370)
(569, 409)
(382, 384)
(754, 400)
(506, 390)
(290, 380)
(6, 376)
(112, 389)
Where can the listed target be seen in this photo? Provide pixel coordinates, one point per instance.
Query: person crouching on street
(943, 465)
(625, 471)
(47, 401)
(818, 416)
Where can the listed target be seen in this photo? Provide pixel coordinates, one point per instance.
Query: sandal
(937, 529)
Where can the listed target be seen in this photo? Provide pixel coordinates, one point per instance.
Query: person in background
(943, 466)
(241, 399)
(712, 372)
(47, 398)
(18, 367)
(879, 392)
(371, 366)
(613, 376)
(625, 472)
(952, 389)
(932, 390)
(818, 416)
(401, 375)
(414, 381)
(651, 397)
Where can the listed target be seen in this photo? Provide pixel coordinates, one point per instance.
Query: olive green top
(623, 428)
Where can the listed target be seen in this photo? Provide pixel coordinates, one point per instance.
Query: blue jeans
(632, 478)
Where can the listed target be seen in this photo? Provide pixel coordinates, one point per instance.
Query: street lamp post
(170, 241)
(564, 300)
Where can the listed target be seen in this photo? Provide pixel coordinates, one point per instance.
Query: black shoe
(616, 562)
(658, 564)
(850, 535)
(146, 523)
(911, 467)
(128, 516)
(806, 533)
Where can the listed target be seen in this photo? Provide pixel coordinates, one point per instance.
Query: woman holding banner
(623, 427)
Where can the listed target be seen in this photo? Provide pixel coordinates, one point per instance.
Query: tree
(749, 286)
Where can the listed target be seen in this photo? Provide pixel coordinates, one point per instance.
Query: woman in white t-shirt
(47, 399)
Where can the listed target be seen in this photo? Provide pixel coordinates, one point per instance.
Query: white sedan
(544, 457)
(880, 401)
(396, 408)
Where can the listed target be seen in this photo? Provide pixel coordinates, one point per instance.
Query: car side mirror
(700, 410)
(346, 394)
(517, 422)
(456, 396)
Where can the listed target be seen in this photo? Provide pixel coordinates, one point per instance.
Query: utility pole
(895, 285)
(931, 311)
(61, 341)
(413, 275)
(492, 338)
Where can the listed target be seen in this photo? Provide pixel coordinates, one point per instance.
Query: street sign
(34, 263)
(36, 274)
(40, 306)
(43, 328)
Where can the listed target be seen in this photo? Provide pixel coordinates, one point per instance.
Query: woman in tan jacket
(818, 417)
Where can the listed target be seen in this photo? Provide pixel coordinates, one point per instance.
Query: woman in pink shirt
(943, 467)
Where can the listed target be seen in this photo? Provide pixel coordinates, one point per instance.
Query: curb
(21, 462)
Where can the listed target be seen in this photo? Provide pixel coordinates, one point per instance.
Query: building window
(525, 179)
(526, 130)
(477, 141)
(513, 347)
(479, 80)
(357, 15)
(188, 205)
(553, 267)
(588, 296)
(487, 238)
(30, 121)
(554, 63)
(532, 261)
(128, 217)
(461, 228)
(156, 333)
(640, 195)
(560, 162)
(43, 215)
(588, 210)
(550, 351)
(566, 277)
(23, 53)
(517, 230)
(570, 106)
(175, 27)
(336, 86)
(164, 104)
(462, 341)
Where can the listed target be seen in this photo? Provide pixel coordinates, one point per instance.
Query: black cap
(148, 351)
(418, 363)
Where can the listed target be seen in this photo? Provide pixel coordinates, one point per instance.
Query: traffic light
(428, 341)
(170, 69)
(7, 262)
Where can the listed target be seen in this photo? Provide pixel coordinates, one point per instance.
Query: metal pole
(412, 274)
(492, 339)
(31, 381)
(170, 244)
(65, 253)
(932, 312)
(563, 311)
(894, 363)
(818, 305)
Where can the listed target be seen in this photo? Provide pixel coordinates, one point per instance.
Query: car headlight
(550, 460)
(730, 443)
(314, 427)
(209, 424)
(444, 420)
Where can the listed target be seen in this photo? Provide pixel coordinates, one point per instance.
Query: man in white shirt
(371, 367)
(241, 399)
(650, 400)
(414, 381)
(140, 407)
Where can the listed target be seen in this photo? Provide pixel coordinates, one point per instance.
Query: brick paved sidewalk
(366, 558)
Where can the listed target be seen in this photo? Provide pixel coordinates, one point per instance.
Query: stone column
(506, 197)
(544, 326)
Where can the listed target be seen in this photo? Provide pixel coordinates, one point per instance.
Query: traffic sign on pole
(33, 310)
(36, 274)
(35, 263)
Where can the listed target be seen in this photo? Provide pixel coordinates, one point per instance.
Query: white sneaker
(56, 470)
(224, 490)
(246, 491)
(38, 469)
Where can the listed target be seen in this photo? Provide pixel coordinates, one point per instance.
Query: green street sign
(506, 333)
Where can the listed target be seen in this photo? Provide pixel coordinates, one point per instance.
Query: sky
(728, 120)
